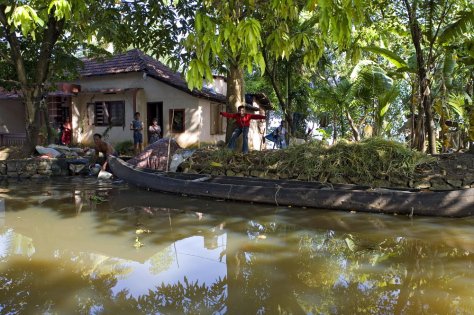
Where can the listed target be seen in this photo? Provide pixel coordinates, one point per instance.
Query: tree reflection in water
(290, 263)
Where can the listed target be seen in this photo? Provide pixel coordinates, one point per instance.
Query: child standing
(137, 126)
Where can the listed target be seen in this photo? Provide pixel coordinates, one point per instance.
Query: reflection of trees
(41, 288)
(17, 244)
(337, 273)
(185, 298)
(272, 267)
(389, 276)
(65, 286)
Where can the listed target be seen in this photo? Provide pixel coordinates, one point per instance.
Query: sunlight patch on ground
(4, 153)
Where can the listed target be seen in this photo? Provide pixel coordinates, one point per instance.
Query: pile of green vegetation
(362, 162)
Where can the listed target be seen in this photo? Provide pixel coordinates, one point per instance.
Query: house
(109, 91)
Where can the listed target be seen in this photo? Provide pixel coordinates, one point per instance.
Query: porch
(12, 139)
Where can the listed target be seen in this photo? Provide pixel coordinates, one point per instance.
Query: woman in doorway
(154, 130)
(66, 132)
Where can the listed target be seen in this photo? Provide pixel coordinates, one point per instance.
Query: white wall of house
(12, 116)
(256, 133)
(258, 129)
(219, 85)
(197, 117)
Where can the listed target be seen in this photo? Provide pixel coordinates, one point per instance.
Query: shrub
(124, 147)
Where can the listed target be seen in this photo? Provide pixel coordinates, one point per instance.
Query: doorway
(155, 110)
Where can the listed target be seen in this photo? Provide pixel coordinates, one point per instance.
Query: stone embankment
(38, 167)
(450, 171)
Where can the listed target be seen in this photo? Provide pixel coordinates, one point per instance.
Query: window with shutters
(109, 113)
(217, 121)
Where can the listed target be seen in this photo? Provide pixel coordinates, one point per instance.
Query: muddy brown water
(80, 246)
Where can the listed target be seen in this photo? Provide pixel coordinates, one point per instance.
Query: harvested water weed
(361, 162)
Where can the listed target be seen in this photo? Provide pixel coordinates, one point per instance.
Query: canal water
(82, 246)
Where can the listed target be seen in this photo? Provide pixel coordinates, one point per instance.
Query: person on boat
(242, 122)
(137, 126)
(154, 130)
(102, 147)
(66, 134)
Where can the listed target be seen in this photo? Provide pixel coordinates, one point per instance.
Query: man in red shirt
(242, 122)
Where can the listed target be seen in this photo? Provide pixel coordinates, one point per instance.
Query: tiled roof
(136, 61)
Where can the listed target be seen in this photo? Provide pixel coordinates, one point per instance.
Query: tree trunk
(430, 125)
(420, 129)
(235, 97)
(31, 99)
(413, 133)
(32, 89)
(282, 93)
(354, 129)
(423, 81)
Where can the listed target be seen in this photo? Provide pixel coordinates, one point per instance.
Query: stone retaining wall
(35, 167)
(441, 179)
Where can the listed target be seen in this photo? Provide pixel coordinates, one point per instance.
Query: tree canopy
(416, 79)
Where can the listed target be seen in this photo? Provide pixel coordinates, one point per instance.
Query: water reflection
(81, 246)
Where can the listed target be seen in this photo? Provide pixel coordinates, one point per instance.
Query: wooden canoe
(452, 203)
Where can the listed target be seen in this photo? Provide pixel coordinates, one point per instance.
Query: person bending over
(102, 147)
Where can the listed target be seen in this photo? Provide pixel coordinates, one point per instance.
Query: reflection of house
(108, 92)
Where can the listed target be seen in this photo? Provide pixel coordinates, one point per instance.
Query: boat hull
(455, 203)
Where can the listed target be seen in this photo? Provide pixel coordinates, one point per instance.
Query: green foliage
(463, 24)
(393, 58)
(222, 35)
(124, 147)
(25, 18)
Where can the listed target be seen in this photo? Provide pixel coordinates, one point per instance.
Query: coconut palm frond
(356, 103)
(369, 80)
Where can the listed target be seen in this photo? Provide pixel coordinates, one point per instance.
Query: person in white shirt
(281, 134)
